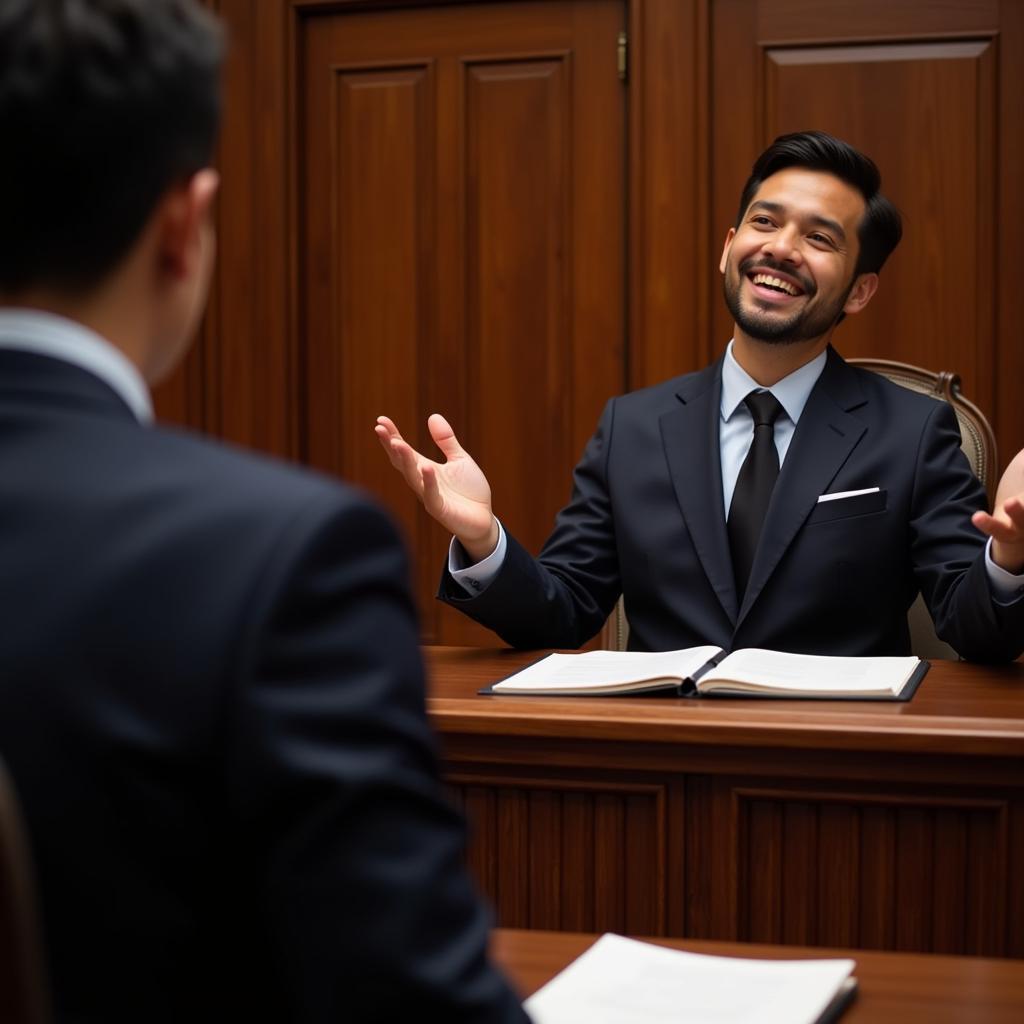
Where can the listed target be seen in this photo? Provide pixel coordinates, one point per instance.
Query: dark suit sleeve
(948, 551)
(563, 597)
(334, 786)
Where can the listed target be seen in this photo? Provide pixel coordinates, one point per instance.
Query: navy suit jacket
(211, 704)
(646, 520)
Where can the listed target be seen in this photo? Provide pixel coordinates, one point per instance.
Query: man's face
(789, 266)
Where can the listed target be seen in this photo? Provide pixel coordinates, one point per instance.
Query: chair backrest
(976, 437)
(23, 996)
(979, 445)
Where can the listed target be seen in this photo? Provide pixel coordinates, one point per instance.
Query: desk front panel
(888, 826)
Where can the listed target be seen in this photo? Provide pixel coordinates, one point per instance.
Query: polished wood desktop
(893, 988)
(896, 826)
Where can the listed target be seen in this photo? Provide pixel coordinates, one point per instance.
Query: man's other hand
(1006, 523)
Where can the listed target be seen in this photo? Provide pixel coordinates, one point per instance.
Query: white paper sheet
(622, 981)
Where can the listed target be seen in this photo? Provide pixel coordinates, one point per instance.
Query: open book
(619, 979)
(704, 671)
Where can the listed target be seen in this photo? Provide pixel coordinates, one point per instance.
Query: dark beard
(802, 325)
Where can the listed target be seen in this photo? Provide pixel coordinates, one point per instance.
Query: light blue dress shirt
(736, 433)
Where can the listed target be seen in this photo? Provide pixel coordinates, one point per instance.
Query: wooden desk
(894, 987)
(878, 826)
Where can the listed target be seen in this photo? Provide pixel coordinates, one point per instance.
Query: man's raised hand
(1006, 523)
(455, 492)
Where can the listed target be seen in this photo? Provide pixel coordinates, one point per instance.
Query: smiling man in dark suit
(779, 498)
(211, 696)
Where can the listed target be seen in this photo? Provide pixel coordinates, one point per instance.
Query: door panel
(462, 209)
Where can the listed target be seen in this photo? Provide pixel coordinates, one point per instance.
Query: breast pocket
(848, 508)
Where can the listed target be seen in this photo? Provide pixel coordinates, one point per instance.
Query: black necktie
(753, 486)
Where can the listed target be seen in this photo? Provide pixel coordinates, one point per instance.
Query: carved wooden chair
(979, 445)
(976, 436)
(23, 996)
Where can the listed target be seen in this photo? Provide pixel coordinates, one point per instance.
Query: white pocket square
(838, 495)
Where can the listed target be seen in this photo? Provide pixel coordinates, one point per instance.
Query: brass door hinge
(623, 56)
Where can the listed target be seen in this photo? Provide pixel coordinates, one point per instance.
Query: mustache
(752, 263)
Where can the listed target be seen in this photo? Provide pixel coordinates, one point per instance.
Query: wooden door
(462, 231)
(932, 92)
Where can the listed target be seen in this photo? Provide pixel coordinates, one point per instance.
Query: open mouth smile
(772, 286)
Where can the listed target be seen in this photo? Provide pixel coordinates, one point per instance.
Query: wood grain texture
(1007, 107)
(913, 897)
(804, 21)
(960, 708)
(888, 826)
(893, 987)
(461, 184)
(928, 91)
(567, 852)
(669, 181)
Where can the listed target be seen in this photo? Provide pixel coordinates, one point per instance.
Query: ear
(860, 294)
(729, 236)
(184, 213)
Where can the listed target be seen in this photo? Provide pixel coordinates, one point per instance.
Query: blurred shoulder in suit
(211, 695)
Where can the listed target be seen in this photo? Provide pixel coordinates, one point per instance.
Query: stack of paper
(622, 981)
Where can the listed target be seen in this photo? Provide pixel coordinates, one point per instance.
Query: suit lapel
(824, 438)
(690, 436)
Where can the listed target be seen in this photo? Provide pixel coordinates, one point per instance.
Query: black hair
(104, 104)
(880, 228)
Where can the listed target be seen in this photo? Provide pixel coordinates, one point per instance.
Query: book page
(811, 673)
(605, 669)
(622, 981)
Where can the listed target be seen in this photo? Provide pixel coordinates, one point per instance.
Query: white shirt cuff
(475, 578)
(1006, 587)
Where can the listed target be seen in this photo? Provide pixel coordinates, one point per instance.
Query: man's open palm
(455, 492)
(1006, 523)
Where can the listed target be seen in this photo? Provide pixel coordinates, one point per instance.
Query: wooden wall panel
(366, 324)
(793, 21)
(569, 854)
(244, 386)
(462, 197)
(934, 292)
(932, 92)
(1008, 413)
(878, 862)
(830, 868)
(518, 287)
(672, 252)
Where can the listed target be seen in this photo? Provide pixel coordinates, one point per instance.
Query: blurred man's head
(108, 116)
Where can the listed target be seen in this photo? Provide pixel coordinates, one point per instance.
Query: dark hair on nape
(880, 229)
(104, 104)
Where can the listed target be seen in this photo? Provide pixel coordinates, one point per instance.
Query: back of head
(103, 105)
(881, 228)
